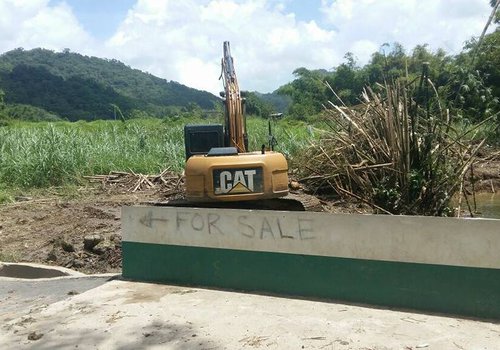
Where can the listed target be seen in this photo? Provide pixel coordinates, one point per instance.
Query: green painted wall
(438, 288)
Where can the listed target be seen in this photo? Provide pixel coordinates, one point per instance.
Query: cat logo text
(237, 181)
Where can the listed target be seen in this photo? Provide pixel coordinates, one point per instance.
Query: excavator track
(292, 202)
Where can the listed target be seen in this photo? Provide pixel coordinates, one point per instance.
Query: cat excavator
(220, 171)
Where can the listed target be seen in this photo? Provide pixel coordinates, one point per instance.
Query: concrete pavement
(19, 297)
(122, 314)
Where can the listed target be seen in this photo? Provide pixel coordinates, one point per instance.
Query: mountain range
(73, 86)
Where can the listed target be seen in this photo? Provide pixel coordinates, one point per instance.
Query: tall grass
(292, 136)
(45, 154)
(60, 153)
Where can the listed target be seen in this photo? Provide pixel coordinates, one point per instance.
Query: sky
(181, 40)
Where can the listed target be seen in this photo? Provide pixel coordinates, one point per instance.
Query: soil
(52, 231)
(486, 175)
(84, 233)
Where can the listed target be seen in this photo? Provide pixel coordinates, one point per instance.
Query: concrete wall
(438, 264)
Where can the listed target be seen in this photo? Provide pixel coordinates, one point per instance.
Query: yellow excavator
(219, 167)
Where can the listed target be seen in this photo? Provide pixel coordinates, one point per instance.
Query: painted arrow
(147, 220)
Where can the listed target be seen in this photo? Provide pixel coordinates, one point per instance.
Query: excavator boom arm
(234, 114)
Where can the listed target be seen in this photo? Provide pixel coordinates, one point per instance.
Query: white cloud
(34, 23)
(363, 49)
(193, 71)
(182, 40)
(440, 23)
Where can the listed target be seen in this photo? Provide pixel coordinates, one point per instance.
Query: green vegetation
(37, 155)
(75, 87)
(468, 84)
(9, 257)
(399, 139)
(25, 112)
(405, 128)
(270, 103)
(52, 154)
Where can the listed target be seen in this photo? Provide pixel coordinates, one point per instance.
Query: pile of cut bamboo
(391, 153)
(167, 181)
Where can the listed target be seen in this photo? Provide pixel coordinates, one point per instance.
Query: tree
(254, 105)
(346, 81)
(307, 91)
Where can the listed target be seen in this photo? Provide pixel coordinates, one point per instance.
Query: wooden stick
(460, 199)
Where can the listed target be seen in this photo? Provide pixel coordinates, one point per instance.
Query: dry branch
(166, 182)
(391, 153)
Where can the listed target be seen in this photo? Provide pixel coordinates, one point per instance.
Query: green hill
(74, 86)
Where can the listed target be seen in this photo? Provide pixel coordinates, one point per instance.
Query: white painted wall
(431, 240)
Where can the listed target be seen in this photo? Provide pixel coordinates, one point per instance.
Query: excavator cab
(200, 139)
(218, 165)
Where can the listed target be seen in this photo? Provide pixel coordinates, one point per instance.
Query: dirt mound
(53, 231)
